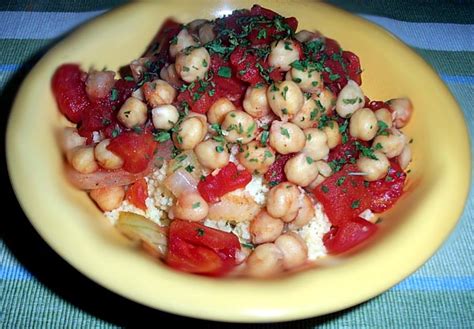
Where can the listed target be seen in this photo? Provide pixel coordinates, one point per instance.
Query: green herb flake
(355, 204)
(219, 149)
(204, 63)
(189, 168)
(350, 100)
(285, 132)
(200, 231)
(114, 94)
(262, 34)
(334, 77)
(248, 246)
(162, 136)
(341, 180)
(284, 92)
(128, 78)
(224, 72)
(309, 160)
(267, 155)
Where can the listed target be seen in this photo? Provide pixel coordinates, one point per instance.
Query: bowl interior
(409, 235)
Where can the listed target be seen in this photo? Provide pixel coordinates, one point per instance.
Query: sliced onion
(103, 178)
(236, 206)
(181, 182)
(186, 159)
(139, 228)
(99, 84)
(163, 152)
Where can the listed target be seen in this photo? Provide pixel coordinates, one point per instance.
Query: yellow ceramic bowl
(409, 235)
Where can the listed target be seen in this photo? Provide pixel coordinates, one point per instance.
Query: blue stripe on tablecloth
(40, 25)
(17, 272)
(434, 36)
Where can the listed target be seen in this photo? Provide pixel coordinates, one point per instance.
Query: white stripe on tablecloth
(433, 36)
(40, 25)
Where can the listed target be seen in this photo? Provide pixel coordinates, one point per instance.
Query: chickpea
(212, 154)
(159, 92)
(190, 133)
(305, 214)
(305, 36)
(282, 199)
(374, 169)
(301, 169)
(327, 100)
(255, 101)
(324, 168)
(196, 24)
(193, 65)
(107, 159)
(82, 159)
(308, 114)
(219, 109)
(108, 198)
(132, 113)
(309, 80)
(183, 40)
(256, 158)
(285, 98)
(164, 116)
(334, 135)
(316, 182)
(404, 158)
(385, 116)
(70, 139)
(239, 126)
(283, 53)
(294, 249)
(265, 228)
(402, 109)
(266, 260)
(190, 206)
(168, 73)
(286, 137)
(363, 124)
(392, 144)
(350, 99)
(138, 67)
(316, 145)
(206, 33)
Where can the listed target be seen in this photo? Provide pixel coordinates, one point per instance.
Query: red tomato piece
(343, 153)
(227, 180)
(257, 10)
(69, 89)
(343, 196)
(276, 174)
(385, 192)
(137, 194)
(136, 150)
(376, 105)
(245, 64)
(196, 248)
(348, 234)
(352, 66)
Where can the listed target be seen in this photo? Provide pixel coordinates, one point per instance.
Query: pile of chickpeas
(295, 106)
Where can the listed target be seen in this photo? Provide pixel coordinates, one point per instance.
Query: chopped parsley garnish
(114, 94)
(189, 168)
(341, 180)
(325, 189)
(204, 63)
(262, 34)
(224, 71)
(106, 122)
(382, 128)
(162, 136)
(219, 148)
(355, 204)
(366, 151)
(267, 155)
(334, 77)
(309, 160)
(115, 132)
(128, 78)
(285, 132)
(283, 93)
(200, 231)
(350, 100)
(248, 245)
(264, 137)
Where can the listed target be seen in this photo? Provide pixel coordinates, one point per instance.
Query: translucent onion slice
(180, 182)
(139, 228)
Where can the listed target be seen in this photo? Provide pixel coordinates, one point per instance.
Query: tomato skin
(137, 194)
(348, 234)
(385, 192)
(196, 248)
(227, 180)
(69, 89)
(352, 66)
(136, 150)
(343, 196)
(276, 173)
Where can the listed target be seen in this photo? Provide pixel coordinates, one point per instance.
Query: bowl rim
(190, 303)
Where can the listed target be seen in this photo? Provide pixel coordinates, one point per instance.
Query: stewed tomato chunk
(137, 194)
(347, 235)
(227, 180)
(195, 248)
(135, 149)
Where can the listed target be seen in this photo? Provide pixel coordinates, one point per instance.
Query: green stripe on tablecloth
(59, 5)
(33, 303)
(446, 62)
(15, 51)
(449, 62)
(413, 11)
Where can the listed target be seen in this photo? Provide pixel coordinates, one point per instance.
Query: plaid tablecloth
(39, 289)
